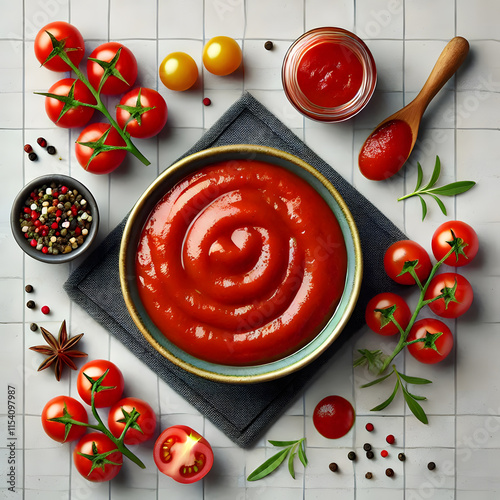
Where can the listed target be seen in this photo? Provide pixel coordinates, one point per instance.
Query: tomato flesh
(183, 454)
(386, 150)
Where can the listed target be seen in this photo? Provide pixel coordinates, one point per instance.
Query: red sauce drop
(386, 150)
(333, 417)
(329, 74)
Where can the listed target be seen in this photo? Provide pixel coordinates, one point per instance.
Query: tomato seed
(30, 304)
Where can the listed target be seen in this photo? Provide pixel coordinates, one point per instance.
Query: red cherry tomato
(435, 348)
(77, 116)
(103, 468)
(64, 406)
(114, 379)
(377, 322)
(222, 55)
(407, 251)
(183, 454)
(443, 236)
(333, 417)
(455, 303)
(140, 123)
(72, 40)
(143, 428)
(126, 66)
(106, 161)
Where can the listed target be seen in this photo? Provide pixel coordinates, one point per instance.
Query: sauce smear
(386, 150)
(329, 74)
(241, 263)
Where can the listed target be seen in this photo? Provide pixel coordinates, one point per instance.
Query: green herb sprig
(451, 189)
(291, 450)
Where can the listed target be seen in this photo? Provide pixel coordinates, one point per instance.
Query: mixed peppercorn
(55, 219)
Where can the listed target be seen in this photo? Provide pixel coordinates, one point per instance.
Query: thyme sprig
(451, 189)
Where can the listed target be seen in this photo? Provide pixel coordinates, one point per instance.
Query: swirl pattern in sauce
(241, 263)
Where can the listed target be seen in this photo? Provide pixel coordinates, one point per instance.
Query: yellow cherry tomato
(221, 55)
(178, 71)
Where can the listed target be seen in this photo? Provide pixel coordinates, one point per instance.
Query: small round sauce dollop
(329, 74)
(386, 150)
(241, 263)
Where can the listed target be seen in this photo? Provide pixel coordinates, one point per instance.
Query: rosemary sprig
(291, 450)
(451, 189)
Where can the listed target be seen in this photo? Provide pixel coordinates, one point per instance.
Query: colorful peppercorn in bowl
(54, 218)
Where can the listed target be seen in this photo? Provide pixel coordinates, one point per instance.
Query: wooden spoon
(449, 61)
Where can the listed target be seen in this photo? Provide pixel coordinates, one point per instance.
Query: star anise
(59, 351)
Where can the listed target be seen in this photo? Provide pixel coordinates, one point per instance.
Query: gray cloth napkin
(242, 412)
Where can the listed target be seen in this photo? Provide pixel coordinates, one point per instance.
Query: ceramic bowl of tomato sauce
(240, 264)
(329, 74)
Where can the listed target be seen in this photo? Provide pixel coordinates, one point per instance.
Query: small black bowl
(19, 204)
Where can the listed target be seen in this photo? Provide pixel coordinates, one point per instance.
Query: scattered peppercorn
(390, 439)
(370, 454)
(51, 150)
(351, 455)
(368, 475)
(207, 101)
(333, 467)
(367, 447)
(389, 472)
(28, 288)
(28, 148)
(402, 457)
(45, 309)
(431, 465)
(32, 156)
(369, 427)
(42, 142)
(33, 327)
(269, 45)
(384, 453)
(30, 304)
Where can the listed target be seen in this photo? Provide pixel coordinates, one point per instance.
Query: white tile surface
(461, 126)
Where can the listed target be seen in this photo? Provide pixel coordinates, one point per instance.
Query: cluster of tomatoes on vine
(448, 294)
(179, 451)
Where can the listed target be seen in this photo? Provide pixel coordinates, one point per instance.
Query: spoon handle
(449, 61)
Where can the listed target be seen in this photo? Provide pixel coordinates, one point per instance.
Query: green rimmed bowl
(227, 373)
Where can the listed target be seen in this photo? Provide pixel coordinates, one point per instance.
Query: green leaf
(414, 380)
(415, 408)
(424, 206)
(435, 175)
(377, 381)
(291, 468)
(269, 465)
(419, 398)
(280, 444)
(302, 453)
(389, 400)
(454, 188)
(420, 176)
(373, 359)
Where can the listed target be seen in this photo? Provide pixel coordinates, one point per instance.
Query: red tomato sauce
(329, 74)
(241, 263)
(386, 150)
